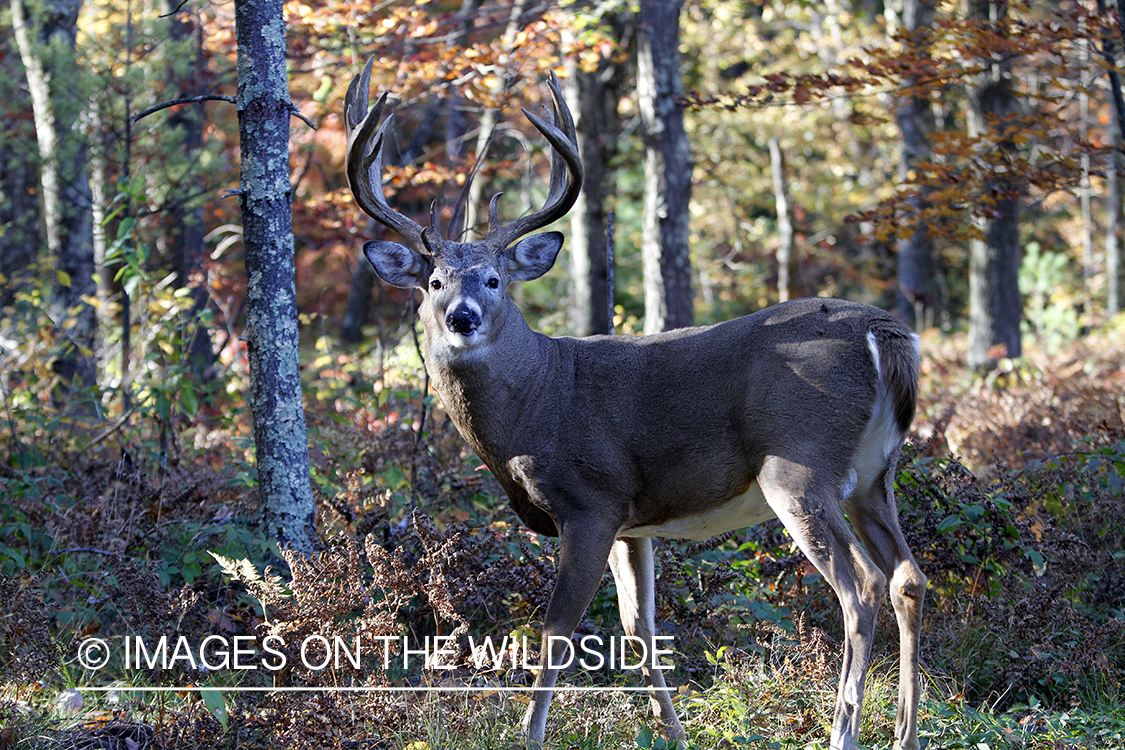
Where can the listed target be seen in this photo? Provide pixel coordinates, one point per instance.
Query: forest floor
(1010, 494)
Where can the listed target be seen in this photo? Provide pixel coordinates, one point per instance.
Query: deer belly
(743, 510)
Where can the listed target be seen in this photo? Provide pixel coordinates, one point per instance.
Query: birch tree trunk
(271, 313)
(66, 202)
(1085, 190)
(785, 258)
(664, 245)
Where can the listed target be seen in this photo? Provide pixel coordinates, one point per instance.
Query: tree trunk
(1085, 191)
(994, 298)
(358, 308)
(271, 312)
(66, 202)
(19, 176)
(995, 305)
(593, 96)
(185, 219)
(1115, 267)
(915, 118)
(1115, 171)
(786, 262)
(668, 165)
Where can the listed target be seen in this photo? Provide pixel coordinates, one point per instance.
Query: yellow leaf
(64, 278)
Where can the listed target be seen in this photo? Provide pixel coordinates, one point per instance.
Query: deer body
(537, 412)
(798, 411)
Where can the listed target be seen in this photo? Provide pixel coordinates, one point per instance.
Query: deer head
(463, 283)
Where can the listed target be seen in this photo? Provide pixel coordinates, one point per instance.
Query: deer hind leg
(584, 548)
(875, 518)
(808, 503)
(633, 570)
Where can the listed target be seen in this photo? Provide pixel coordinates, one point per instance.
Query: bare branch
(185, 100)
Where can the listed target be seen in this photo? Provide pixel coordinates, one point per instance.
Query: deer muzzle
(463, 320)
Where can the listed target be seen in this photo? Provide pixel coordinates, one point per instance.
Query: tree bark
(1115, 265)
(185, 219)
(995, 305)
(271, 313)
(1085, 191)
(668, 164)
(358, 308)
(593, 96)
(915, 118)
(66, 203)
(1115, 171)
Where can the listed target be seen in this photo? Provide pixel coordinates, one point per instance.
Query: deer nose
(462, 320)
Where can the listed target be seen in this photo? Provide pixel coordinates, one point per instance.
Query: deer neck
(494, 390)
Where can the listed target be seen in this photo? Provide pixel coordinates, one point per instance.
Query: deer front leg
(633, 570)
(584, 548)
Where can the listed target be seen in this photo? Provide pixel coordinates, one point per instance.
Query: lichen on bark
(280, 437)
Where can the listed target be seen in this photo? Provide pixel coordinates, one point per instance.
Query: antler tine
(562, 119)
(566, 173)
(355, 101)
(493, 222)
(431, 235)
(363, 160)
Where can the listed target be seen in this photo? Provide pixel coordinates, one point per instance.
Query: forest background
(958, 162)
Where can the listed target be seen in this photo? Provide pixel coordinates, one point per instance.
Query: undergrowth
(143, 536)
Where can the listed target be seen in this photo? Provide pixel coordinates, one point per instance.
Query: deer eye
(493, 283)
(435, 284)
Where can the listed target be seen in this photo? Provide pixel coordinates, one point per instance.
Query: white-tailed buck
(798, 411)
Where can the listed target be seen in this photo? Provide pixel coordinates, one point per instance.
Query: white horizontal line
(372, 689)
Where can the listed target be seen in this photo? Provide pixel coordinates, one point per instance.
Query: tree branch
(210, 98)
(185, 100)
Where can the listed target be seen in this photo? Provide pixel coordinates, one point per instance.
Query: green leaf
(189, 402)
(125, 228)
(1037, 561)
(949, 523)
(216, 704)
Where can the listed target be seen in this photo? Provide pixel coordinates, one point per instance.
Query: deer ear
(396, 264)
(531, 258)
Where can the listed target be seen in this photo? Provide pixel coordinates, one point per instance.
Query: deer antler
(363, 163)
(363, 159)
(566, 174)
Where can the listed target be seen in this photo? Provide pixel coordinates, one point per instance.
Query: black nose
(462, 320)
